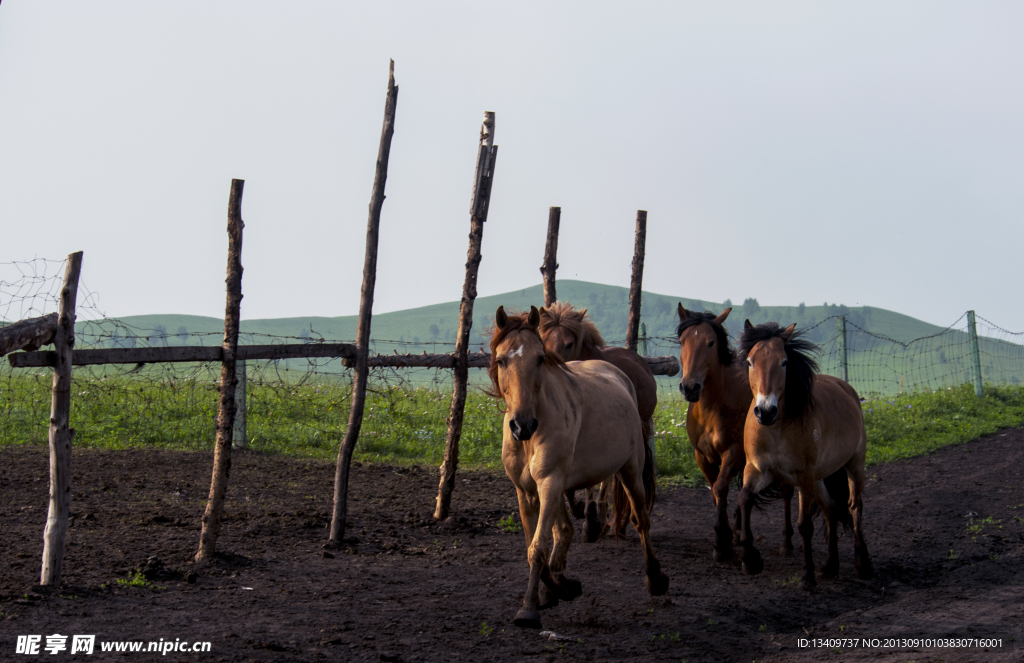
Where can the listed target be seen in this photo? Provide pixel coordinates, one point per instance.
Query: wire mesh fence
(301, 406)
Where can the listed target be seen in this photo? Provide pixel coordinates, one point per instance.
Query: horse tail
(837, 485)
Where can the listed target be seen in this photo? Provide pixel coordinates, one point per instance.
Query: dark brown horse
(566, 426)
(572, 335)
(719, 394)
(804, 430)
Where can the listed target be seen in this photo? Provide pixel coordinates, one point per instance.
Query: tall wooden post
(972, 335)
(636, 281)
(844, 369)
(551, 256)
(486, 157)
(228, 380)
(56, 532)
(240, 435)
(361, 371)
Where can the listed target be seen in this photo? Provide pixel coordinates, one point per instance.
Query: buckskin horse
(572, 335)
(566, 426)
(718, 391)
(805, 430)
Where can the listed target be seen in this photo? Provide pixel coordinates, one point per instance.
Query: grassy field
(406, 425)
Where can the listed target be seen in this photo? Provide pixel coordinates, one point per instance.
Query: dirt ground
(406, 589)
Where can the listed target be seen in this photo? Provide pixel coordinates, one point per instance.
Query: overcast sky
(859, 153)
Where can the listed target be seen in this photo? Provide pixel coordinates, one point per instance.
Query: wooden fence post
(972, 334)
(361, 371)
(636, 282)
(228, 379)
(485, 160)
(551, 256)
(240, 434)
(61, 433)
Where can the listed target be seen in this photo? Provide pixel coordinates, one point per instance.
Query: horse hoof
(786, 550)
(657, 586)
(546, 598)
(577, 511)
(527, 618)
(753, 564)
(594, 530)
(831, 569)
(865, 571)
(569, 589)
(723, 554)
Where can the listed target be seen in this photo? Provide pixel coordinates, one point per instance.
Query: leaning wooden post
(636, 282)
(972, 334)
(485, 160)
(551, 256)
(240, 434)
(228, 380)
(56, 532)
(361, 371)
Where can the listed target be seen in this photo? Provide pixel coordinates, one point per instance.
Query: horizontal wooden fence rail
(345, 351)
(28, 334)
(185, 353)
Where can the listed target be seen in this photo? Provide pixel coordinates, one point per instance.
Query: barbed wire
(302, 405)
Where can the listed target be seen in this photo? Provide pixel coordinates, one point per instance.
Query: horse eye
(750, 364)
(540, 360)
(711, 344)
(568, 346)
(501, 362)
(784, 362)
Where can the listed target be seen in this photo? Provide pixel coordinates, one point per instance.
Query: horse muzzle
(691, 392)
(766, 416)
(522, 431)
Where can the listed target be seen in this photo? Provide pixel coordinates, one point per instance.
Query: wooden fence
(28, 335)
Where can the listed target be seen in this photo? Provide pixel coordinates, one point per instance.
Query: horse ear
(500, 318)
(723, 315)
(747, 325)
(787, 333)
(534, 318)
(583, 313)
(683, 313)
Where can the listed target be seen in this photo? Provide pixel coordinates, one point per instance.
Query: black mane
(800, 369)
(726, 354)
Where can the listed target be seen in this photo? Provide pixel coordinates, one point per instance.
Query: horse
(572, 335)
(718, 391)
(566, 426)
(805, 430)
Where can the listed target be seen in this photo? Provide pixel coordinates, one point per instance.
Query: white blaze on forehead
(517, 353)
(767, 402)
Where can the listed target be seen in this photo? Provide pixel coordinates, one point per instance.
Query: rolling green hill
(435, 326)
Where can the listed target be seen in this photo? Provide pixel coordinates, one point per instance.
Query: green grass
(404, 425)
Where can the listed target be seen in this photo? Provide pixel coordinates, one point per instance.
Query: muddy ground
(407, 589)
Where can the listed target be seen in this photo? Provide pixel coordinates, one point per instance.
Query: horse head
(517, 361)
(566, 331)
(781, 370)
(703, 346)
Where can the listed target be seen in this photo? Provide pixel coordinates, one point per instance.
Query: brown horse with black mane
(804, 430)
(719, 394)
(572, 335)
(566, 426)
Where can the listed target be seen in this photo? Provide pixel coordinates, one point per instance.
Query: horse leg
(556, 584)
(861, 560)
(576, 505)
(731, 464)
(631, 479)
(753, 482)
(805, 524)
(595, 523)
(831, 568)
(712, 473)
(787, 527)
(550, 494)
